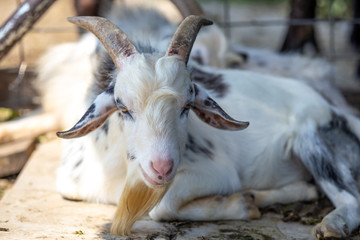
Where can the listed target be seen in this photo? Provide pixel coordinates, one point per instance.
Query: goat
(149, 152)
(212, 48)
(154, 154)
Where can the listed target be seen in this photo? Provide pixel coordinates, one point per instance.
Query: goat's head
(153, 95)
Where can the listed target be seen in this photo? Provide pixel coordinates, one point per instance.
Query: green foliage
(245, 1)
(7, 114)
(340, 8)
(78, 232)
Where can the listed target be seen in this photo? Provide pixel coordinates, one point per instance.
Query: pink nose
(163, 168)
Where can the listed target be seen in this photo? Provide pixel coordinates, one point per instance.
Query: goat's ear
(211, 113)
(103, 106)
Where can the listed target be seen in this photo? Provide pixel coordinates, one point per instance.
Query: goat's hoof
(331, 228)
(252, 210)
(71, 198)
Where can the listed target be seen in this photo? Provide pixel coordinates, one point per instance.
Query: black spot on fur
(210, 81)
(249, 195)
(261, 63)
(335, 155)
(209, 144)
(196, 89)
(208, 102)
(103, 75)
(339, 122)
(78, 163)
(110, 90)
(191, 90)
(91, 109)
(119, 102)
(196, 147)
(130, 156)
(244, 56)
(97, 136)
(325, 170)
(105, 127)
(88, 114)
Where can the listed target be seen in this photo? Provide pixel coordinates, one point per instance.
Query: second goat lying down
(142, 148)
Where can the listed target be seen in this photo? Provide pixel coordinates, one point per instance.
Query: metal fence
(228, 25)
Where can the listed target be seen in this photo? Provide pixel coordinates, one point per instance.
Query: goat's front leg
(294, 192)
(237, 206)
(203, 194)
(243, 205)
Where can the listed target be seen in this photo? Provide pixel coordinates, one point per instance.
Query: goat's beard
(137, 199)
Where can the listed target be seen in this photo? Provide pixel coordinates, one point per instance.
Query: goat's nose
(163, 168)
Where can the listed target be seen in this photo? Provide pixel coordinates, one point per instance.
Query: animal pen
(254, 29)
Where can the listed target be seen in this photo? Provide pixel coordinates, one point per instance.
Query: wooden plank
(14, 155)
(17, 93)
(21, 22)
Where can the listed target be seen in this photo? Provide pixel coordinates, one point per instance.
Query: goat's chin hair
(136, 200)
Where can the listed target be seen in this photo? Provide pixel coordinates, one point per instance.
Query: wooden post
(298, 36)
(355, 34)
(21, 22)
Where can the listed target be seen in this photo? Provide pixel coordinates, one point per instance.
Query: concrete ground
(33, 209)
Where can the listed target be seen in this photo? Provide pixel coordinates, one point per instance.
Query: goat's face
(154, 95)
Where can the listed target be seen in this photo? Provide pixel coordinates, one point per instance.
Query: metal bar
(21, 22)
(227, 19)
(331, 32)
(281, 22)
(54, 29)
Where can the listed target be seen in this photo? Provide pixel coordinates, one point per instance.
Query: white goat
(154, 150)
(212, 48)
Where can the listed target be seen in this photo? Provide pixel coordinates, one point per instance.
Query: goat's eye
(126, 113)
(185, 110)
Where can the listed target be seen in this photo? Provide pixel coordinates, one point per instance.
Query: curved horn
(188, 7)
(185, 36)
(113, 38)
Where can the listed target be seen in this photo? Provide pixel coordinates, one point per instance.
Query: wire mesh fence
(331, 21)
(227, 23)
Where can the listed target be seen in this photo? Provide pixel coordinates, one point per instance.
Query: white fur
(283, 113)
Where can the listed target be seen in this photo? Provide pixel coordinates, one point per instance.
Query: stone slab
(33, 209)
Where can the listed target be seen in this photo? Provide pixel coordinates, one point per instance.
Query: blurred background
(262, 24)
